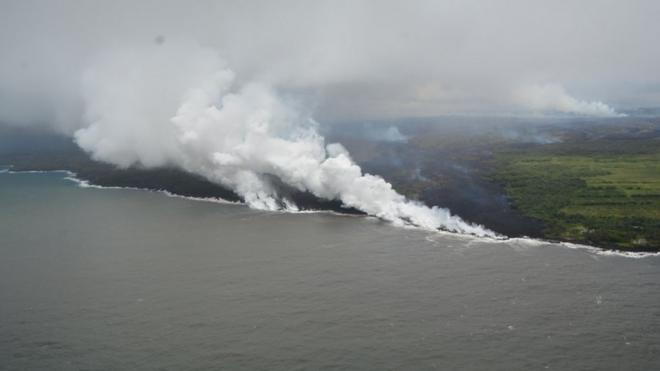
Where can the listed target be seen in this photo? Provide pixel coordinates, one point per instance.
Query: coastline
(523, 241)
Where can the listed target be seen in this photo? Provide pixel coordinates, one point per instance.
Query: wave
(10, 171)
(528, 242)
(86, 184)
(289, 209)
(471, 239)
(539, 242)
(604, 252)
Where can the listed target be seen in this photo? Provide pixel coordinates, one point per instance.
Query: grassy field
(606, 197)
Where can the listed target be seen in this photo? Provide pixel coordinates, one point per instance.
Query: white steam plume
(180, 105)
(554, 98)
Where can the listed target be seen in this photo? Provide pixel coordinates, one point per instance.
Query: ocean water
(101, 279)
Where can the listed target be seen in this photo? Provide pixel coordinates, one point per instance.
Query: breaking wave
(471, 240)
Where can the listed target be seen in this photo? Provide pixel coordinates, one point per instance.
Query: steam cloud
(180, 105)
(554, 98)
(171, 102)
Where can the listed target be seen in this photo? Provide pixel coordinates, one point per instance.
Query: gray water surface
(123, 279)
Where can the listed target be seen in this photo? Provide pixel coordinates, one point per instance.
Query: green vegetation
(601, 193)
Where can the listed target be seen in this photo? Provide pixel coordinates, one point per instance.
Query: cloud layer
(348, 59)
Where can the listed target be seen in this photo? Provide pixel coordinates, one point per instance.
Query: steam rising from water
(180, 105)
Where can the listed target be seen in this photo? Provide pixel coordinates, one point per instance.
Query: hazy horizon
(342, 60)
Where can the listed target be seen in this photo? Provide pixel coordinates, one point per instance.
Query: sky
(343, 60)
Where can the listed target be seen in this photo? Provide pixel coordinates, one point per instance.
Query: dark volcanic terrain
(452, 162)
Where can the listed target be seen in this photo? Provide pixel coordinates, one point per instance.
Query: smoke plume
(155, 93)
(181, 105)
(554, 98)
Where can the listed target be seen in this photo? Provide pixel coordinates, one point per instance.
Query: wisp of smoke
(554, 98)
(180, 105)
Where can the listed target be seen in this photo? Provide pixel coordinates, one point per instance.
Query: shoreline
(525, 240)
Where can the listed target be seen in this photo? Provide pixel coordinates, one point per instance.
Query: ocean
(100, 279)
